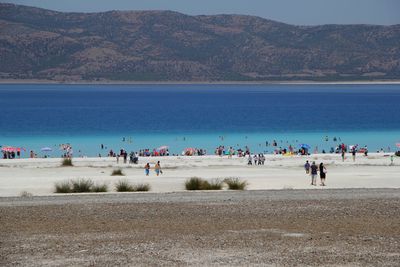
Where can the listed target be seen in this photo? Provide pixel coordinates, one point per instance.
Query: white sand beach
(38, 176)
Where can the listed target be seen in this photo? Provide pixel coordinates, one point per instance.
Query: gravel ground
(349, 227)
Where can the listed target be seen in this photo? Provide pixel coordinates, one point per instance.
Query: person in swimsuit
(147, 169)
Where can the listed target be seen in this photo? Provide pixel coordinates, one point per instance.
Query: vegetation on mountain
(169, 46)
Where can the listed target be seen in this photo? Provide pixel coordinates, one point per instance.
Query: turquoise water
(90, 145)
(202, 116)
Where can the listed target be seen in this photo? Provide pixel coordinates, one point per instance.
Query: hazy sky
(304, 12)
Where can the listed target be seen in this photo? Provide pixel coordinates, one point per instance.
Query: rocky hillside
(169, 46)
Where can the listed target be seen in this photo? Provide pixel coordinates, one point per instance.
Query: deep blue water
(73, 111)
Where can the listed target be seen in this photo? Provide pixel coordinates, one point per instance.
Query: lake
(148, 116)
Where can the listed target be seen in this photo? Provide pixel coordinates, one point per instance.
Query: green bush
(117, 172)
(235, 183)
(215, 184)
(66, 162)
(124, 186)
(82, 185)
(63, 187)
(142, 187)
(196, 183)
(99, 188)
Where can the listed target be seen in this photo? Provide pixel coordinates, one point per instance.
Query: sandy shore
(346, 227)
(38, 176)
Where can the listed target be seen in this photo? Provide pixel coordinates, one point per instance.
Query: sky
(298, 12)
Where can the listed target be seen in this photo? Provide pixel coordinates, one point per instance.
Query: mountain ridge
(169, 46)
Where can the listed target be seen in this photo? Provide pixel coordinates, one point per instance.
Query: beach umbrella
(189, 151)
(162, 148)
(46, 149)
(398, 145)
(12, 149)
(304, 146)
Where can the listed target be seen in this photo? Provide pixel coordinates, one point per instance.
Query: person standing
(343, 155)
(147, 169)
(125, 155)
(322, 173)
(157, 168)
(353, 153)
(307, 167)
(314, 173)
(250, 160)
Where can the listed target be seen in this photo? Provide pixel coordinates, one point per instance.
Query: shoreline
(38, 176)
(283, 82)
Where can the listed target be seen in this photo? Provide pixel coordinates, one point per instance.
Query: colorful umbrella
(162, 148)
(12, 149)
(398, 144)
(304, 146)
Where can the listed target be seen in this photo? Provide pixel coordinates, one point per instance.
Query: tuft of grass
(196, 183)
(82, 185)
(215, 184)
(99, 188)
(66, 162)
(124, 186)
(25, 194)
(63, 187)
(117, 172)
(235, 183)
(142, 187)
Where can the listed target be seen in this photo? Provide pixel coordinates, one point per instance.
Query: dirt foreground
(347, 227)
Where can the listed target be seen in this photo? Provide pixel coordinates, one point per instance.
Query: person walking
(322, 173)
(147, 169)
(157, 168)
(343, 155)
(353, 153)
(314, 173)
(307, 167)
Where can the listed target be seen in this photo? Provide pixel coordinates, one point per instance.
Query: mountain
(169, 46)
